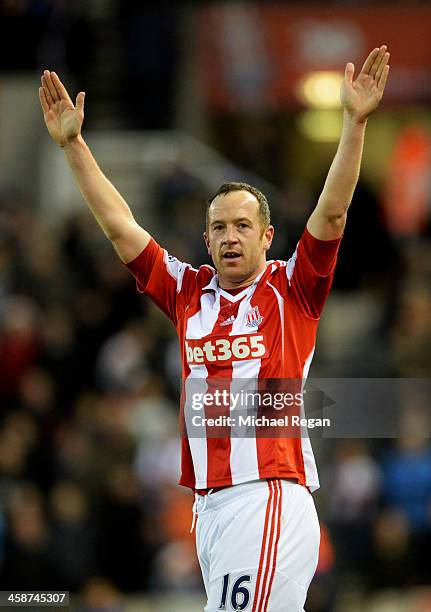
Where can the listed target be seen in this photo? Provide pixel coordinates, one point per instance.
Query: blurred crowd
(90, 374)
(102, 44)
(89, 457)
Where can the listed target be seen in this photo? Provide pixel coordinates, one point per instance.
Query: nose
(230, 236)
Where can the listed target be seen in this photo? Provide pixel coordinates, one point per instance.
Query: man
(248, 319)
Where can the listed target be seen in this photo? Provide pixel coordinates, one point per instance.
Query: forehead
(233, 205)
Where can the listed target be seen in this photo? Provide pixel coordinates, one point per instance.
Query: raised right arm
(64, 121)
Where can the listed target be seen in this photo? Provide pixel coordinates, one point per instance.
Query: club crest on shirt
(254, 318)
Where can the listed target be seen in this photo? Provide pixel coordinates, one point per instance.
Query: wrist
(72, 143)
(354, 120)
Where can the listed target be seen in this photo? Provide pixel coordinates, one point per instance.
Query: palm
(62, 118)
(361, 96)
(63, 123)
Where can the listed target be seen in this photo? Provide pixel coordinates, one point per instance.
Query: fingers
(53, 91)
(59, 87)
(43, 100)
(370, 60)
(377, 61)
(79, 104)
(46, 92)
(381, 67)
(50, 86)
(382, 81)
(349, 72)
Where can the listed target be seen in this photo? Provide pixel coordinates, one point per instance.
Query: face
(235, 238)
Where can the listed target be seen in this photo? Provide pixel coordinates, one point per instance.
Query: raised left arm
(359, 97)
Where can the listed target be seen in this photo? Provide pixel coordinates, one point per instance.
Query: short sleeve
(310, 272)
(165, 279)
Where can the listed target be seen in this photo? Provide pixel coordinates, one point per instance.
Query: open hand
(362, 95)
(62, 118)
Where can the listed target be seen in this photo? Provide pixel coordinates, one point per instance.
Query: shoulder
(275, 266)
(205, 274)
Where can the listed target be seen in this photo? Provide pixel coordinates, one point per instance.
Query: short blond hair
(264, 212)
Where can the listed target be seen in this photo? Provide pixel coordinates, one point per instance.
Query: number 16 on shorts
(235, 596)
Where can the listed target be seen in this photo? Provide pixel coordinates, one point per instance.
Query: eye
(217, 227)
(242, 225)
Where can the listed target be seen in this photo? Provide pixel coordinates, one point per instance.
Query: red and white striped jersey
(266, 331)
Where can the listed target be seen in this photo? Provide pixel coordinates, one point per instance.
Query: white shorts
(258, 546)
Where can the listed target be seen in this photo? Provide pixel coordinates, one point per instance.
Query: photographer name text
(259, 421)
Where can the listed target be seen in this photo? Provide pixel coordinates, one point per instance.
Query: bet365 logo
(222, 349)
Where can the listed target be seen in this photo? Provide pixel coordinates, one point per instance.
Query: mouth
(231, 256)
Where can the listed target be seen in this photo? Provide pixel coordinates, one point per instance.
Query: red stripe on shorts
(277, 538)
(262, 551)
(269, 557)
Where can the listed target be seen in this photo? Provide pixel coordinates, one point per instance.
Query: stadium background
(179, 98)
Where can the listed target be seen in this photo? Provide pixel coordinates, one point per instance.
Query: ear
(207, 242)
(268, 237)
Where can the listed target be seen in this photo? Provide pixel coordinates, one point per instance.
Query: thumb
(349, 72)
(79, 104)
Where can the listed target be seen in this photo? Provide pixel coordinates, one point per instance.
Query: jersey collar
(214, 286)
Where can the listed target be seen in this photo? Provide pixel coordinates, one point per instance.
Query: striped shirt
(263, 332)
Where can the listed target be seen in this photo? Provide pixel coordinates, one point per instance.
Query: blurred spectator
(407, 499)
(411, 337)
(100, 595)
(57, 337)
(353, 485)
(322, 591)
(37, 393)
(391, 563)
(26, 564)
(18, 342)
(153, 421)
(18, 437)
(175, 518)
(182, 199)
(130, 533)
(72, 545)
(152, 417)
(122, 363)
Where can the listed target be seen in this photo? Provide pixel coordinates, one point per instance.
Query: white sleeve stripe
(291, 265)
(176, 269)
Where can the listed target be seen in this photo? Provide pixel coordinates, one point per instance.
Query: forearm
(343, 174)
(107, 205)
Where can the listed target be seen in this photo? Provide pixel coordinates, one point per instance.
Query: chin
(236, 276)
